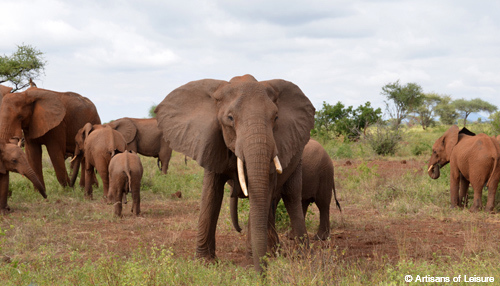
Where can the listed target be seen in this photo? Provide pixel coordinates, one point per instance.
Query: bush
(384, 140)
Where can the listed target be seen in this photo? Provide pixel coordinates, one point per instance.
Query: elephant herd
(253, 135)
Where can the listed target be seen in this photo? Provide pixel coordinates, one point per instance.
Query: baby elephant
(125, 174)
(318, 186)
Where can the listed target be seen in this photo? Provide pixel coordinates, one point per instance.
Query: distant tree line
(403, 103)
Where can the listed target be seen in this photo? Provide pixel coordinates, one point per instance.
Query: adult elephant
(235, 130)
(474, 159)
(46, 118)
(13, 159)
(144, 137)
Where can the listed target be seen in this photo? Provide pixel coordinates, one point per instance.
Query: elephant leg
(464, 188)
(34, 155)
(478, 192)
(292, 197)
(492, 190)
(89, 169)
(324, 219)
(101, 166)
(57, 157)
(454, 185)
(118, 197)
(4, 193)
(136, 197)
(164, 157)
(211, 201)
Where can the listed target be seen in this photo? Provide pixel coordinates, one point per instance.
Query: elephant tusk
(73, 159)
(241, 177)
(278, 165)
(430, 168)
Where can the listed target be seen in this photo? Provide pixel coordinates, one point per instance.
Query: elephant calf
(125, 174)
(96, 145)
(317, 186)
(474, 160)
(13, 159)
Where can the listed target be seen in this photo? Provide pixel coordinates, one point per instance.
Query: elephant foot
(321, 236)
(474, 209)
(489, 209)
(5, 210)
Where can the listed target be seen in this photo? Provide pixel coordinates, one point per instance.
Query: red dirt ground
(358, 233)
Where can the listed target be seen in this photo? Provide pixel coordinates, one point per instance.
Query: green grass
(67, 240)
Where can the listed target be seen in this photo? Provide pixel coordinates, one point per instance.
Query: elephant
(13, 159)
(317, 186)
(246, 131)
(125, 174)
(96, 145)
(144, 137)
(47, 118)
(474, 159)
(4, 90)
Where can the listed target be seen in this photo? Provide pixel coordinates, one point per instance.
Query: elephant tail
(335, 196)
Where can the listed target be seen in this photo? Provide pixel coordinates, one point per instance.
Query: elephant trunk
(233, 207)
(75, 166)
(433, 171)
(30, 174)
(258, 154)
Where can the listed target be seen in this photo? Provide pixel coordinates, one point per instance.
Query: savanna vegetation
(395, 222)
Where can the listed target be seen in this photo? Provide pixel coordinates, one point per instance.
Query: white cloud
(127, 55)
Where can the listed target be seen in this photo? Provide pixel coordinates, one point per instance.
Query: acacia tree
(447, 113)
(24, 64)
(426, 111)
(405, 99)
(466, 107)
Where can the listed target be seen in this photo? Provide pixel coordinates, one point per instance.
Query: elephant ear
(126, 127)
(450, 139)
(188, 119)
(295, 118)
(48, 111)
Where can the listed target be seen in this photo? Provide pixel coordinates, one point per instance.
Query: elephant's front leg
(454, 185)
(211, 201)
(4, 193)
(56, 150)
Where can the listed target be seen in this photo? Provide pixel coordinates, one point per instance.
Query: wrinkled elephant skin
(243, 123)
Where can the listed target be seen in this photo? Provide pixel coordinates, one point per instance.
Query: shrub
(384, 140)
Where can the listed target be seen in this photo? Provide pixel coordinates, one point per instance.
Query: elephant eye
(14, 161)
(276, 118)
(230, 117)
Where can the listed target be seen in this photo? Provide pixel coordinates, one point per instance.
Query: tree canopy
(346, 121)
(466, 107)
(405, 99)
(24, 64)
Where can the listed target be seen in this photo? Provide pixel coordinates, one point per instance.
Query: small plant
(384, 140)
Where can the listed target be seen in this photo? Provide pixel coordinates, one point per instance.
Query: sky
(128, 55)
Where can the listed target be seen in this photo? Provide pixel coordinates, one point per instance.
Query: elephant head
(35, 108)
(13, 159)
(442, 148)
(240, 126)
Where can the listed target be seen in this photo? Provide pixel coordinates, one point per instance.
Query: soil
(357, 233)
